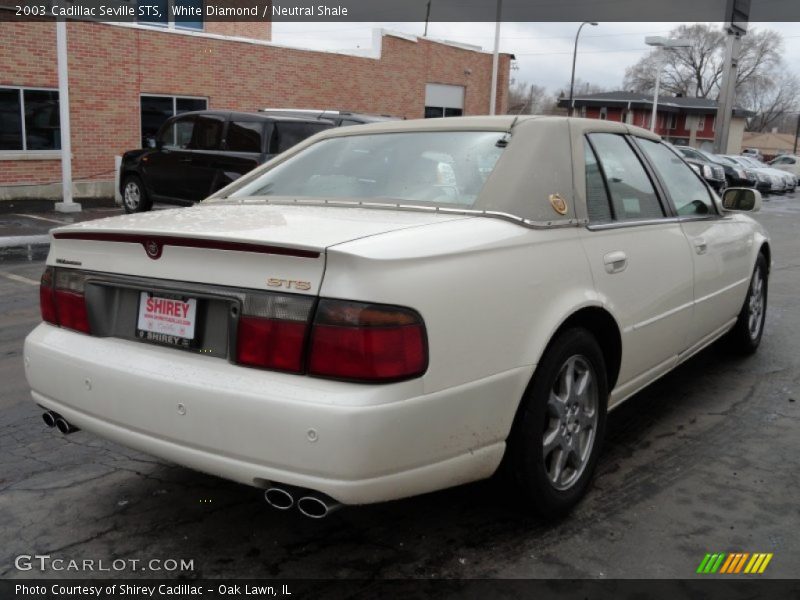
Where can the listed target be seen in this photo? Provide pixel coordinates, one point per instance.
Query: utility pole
(796, 134)
(737, 14)
(427, 19)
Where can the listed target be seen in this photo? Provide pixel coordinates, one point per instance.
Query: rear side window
(286, 134)
(207, 133)
(633, 196)
(596, 194)
(245, 136)
(689, 194)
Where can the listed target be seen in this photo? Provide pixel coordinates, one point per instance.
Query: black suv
(197, 153)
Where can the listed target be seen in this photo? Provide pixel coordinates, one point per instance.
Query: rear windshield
(437, 168)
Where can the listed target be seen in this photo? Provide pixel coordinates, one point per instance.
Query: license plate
(167, 320)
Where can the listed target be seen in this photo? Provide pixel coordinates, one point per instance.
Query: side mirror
(743, 199)
(152, 143)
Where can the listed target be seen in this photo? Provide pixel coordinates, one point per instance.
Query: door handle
(615, 262)
(186, 160)
(700, 246)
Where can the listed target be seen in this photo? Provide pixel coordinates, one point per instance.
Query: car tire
(746, 335)
(557, 434)
(134, 196)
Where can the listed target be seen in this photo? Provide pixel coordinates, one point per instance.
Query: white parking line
(19, 278)
(43, 219)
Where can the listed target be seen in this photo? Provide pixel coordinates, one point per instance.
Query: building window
(443, 100)
(155, 110)
(603, 113)
(672, 121)
(583, 111)
(29, 119)
(181, 14)
(701, 123)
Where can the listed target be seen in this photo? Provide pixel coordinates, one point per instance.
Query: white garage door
(443, 100)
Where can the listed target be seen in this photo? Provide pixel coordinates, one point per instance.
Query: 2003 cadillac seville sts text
(396, 308)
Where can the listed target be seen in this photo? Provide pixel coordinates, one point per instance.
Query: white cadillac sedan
(392, 309)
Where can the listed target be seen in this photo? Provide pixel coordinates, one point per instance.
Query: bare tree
(697, 70)
(525, 98)
(772, 99)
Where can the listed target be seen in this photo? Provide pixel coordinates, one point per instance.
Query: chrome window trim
(467, 212)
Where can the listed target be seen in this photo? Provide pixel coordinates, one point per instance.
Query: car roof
(578, 125)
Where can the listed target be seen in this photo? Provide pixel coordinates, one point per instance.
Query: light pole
(571, 107)
(661, 42)
(495, 60)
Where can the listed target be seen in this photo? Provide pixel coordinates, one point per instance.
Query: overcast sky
(543, 50)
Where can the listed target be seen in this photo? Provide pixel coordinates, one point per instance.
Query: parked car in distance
(788, 179)
(197, 153)
(787, 162)
(711, 171)
(753, 153)
(387, 310)
(339, 118)
(778, 182)
(734, 175)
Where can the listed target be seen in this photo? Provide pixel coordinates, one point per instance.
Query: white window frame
(603, 113)
(672, 121)
(24, 153)
(170, 24)
(701, 122)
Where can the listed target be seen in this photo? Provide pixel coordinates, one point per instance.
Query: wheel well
(767, 252)
(604, 328)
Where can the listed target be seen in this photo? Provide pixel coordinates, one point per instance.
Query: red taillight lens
(47, 300)
(367, 342)
(70, 304)
(272, 331)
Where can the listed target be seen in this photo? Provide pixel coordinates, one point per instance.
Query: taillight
(47, 300)
(367, 342)
(70, 304)
(272, 331)
(61, 299)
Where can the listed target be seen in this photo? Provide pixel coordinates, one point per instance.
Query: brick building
(680, 120)
(125, 79)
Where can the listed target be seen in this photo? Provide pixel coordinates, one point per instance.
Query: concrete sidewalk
(25, 233)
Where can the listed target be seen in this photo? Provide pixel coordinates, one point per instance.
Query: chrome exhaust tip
(315, 507)
(279, 498)
(49, 418)
(64, 426)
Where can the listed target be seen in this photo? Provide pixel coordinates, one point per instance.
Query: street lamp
(661, 42)
(574, 56)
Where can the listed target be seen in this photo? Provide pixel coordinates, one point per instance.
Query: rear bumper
(357, 443)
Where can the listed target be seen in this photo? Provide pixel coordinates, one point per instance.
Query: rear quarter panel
(492, 293)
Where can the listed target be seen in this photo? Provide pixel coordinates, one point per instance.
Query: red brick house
(680, 120)
(125, 79)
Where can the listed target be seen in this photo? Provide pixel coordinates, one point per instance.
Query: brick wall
(110, 66)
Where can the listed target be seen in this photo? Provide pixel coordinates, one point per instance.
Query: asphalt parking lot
(703, 461)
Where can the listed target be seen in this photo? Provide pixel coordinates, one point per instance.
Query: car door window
(688, 192)
(245, 136)
(207, 133)
(596, 195)
(633, 196)
(178, 133)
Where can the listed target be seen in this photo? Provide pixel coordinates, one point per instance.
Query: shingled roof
(686, 104)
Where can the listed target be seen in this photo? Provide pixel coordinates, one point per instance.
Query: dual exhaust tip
(311, 504)
(53, 419)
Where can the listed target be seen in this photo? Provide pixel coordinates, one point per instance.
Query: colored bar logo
(734, 563)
